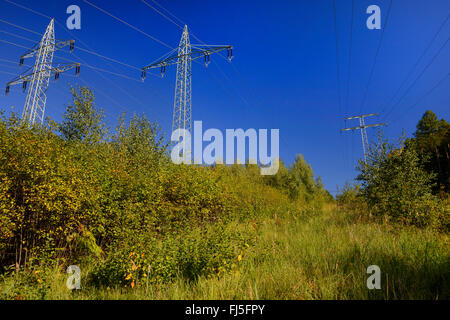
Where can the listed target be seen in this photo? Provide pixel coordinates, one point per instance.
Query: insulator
(7, 90)
(24, 86)
(72, 45)
(77, 70)
(163, 70)
(143, 75)
(21, 61)
(206, 60)
(56, 76)
(231, 54)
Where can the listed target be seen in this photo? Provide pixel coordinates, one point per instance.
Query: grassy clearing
(308, 256)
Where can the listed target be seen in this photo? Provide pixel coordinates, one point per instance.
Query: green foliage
(432, 141)
(395, 185)
(209, 251)
(350, 197)
(298, 181)
(69, 195)
(141, 226)
(82, 121)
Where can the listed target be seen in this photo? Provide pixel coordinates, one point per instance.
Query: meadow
(140, 227)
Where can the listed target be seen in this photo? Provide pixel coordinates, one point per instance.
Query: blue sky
(283, 76)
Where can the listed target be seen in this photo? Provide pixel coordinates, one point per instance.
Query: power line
(347, 95)
(8, 73)
(170, 13)
(85, 50)
(13, 44)
(17, 36)
(376, 57)
(83, 64)
(28, 9)
(81, 49)
(438, 84)
(128, 24)
(39, 79)
(362, 127)
(161, 14)
(15, 25)
(417, 78)
(337, 58)
(215, 63)
(199, 40)
(13, 62)
(82, 42)
(416, 63)
(101, 69)
(176, 24)
(349, 60)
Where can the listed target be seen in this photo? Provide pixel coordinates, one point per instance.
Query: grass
(320, 255)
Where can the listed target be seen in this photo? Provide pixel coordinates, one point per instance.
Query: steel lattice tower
(36, 97)
(183, 104)
(183, 56)
(34, 109)
(362, 127)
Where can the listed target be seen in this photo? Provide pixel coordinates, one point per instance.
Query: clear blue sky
(284, 73)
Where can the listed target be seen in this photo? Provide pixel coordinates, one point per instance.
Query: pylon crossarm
(361, 116)
(57, 45)
(196, 53)
(374, 125)
(55, 70)
(365, 126)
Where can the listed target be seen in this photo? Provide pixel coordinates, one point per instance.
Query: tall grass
(312, 255)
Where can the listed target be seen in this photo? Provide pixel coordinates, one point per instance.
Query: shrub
(396, 185)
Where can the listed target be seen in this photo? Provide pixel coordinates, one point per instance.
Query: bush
(396, 186)
(210, 251)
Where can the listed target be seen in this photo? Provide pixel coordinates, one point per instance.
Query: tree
(82, 121)
(395, 183)
(301, 179)
(432, 139)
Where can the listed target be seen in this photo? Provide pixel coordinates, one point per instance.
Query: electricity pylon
(362, 126)
(34, 108)
(183, 56)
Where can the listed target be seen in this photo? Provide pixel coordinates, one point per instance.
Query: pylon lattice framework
(362, 127)
(182, 106)
(183, 56)
(34, 108)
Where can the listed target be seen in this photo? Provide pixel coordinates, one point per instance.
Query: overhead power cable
(15, 25)
(128, 24)
(417, 78)
(376, 57)
(438, 84)
(337, 58)
(416, 64)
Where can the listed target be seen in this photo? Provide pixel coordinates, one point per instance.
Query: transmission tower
(362, 127)
(183, 56)
(39, 78)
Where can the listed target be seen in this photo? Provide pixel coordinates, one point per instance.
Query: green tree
(395, 183)
(301, 179)
(82, 121)
(432, 140)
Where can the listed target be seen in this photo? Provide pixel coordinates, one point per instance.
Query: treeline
(406, 182)
(73, 192)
